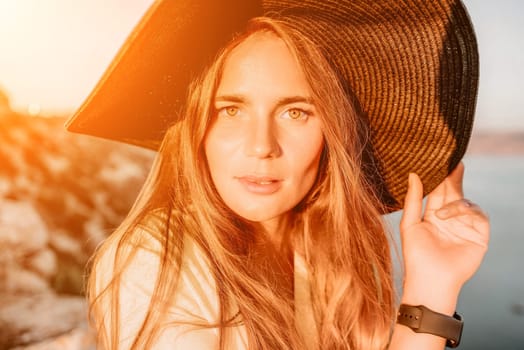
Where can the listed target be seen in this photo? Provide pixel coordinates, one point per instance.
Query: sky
(52, 53)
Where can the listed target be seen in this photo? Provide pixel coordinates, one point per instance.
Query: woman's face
(265, 141)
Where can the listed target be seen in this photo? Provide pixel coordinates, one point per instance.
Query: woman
(260, 224)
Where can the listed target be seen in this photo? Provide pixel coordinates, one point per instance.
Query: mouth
(260, 184)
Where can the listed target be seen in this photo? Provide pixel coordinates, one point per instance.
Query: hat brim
(145, 87)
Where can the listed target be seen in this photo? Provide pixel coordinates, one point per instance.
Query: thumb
(412, 203)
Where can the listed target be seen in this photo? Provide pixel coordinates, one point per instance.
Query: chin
(255, 217)
(260, 215)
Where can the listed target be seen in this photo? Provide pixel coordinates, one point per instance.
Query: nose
(262, 139)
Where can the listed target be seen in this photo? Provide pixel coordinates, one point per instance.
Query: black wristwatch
(423, 320)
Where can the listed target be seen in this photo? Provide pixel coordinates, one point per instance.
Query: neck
(275, 232)
(273, 252)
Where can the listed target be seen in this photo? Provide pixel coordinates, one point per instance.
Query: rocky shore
(60, 195)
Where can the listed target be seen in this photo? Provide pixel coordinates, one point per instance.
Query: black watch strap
(423, 320)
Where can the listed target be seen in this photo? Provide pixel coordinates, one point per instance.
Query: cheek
(306, 153)
(304, 165)
(213, 150)
(220, 149)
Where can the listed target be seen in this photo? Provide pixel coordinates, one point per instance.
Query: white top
(195, 300)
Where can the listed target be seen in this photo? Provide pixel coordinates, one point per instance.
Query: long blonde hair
(337, 227)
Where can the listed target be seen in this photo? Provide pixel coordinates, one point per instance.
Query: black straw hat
(411, 65)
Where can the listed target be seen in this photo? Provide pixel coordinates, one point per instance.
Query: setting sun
(54, 51)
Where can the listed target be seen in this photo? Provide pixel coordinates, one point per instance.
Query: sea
(492, 302)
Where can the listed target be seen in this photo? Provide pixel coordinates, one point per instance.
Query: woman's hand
(444, 246)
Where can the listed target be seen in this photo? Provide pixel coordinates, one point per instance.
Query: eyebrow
(230, 98)
(294, 99)
(280, 102)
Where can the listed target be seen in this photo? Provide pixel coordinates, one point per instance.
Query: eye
(231, 111)
(228, 111)
(296, 114)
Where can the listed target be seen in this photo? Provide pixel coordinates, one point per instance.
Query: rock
(44, 263)
(23, 236)
(77, 339)
(22, 230)
(29, 319)
(18, 280)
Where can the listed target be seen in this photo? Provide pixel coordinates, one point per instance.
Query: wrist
(441, 298)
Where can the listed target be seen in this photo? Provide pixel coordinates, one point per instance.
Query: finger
(460, 207)
(436, 197)
(448, 190)
(454, 189)
(412, 203)
(463, 215)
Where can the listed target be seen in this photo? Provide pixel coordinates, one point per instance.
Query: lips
(260, 184)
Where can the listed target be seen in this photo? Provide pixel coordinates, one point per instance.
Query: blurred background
(61, 194)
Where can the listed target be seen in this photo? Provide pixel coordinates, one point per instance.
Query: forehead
(263, 61)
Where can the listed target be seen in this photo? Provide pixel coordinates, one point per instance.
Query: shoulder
(130, 266)
(137, 263)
